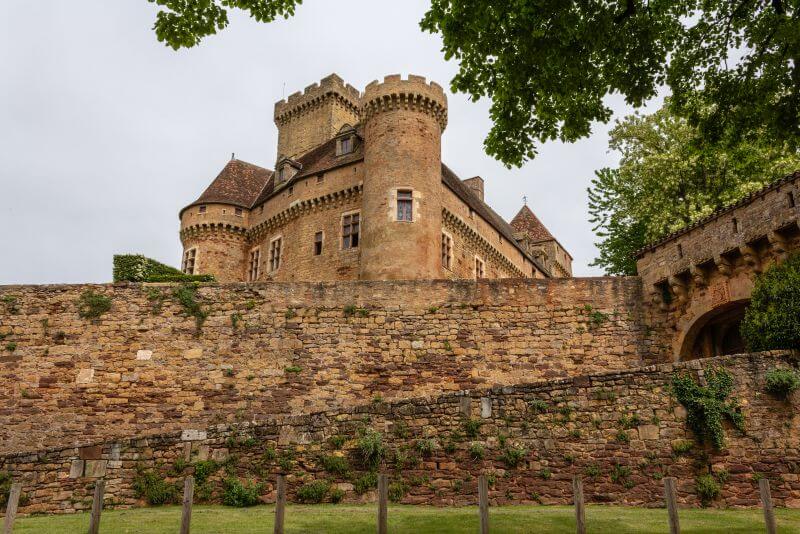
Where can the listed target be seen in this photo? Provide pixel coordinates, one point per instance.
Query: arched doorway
(716, 333)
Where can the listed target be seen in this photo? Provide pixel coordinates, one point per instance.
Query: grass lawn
(333, 519)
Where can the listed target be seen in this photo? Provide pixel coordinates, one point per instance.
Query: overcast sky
(105, 133)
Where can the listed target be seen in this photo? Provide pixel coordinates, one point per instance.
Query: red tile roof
(527, 222)
(239, 184)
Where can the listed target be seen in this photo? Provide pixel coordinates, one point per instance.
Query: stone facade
(343, 153)
(275, 348)
(698, 281)
(561, 427)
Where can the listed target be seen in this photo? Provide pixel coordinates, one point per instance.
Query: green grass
(335, 519)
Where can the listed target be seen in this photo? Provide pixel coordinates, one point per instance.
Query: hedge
(772, 321)
(138, 268)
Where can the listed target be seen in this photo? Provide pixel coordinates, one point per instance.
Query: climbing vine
(708, 406)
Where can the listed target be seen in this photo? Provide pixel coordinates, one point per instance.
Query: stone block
(94, 452)
(193, 354)
(648, 432)
(76, 469)
(144, 355)
(95, 468)
(486, 407)
(85, 376)
(191, 434)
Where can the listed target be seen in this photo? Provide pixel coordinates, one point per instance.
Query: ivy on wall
(138, 268)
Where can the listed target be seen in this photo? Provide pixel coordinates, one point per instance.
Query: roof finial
(525, 200)
(233, 155)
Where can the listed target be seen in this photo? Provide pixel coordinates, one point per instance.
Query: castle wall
(565, 427)
(276, 348)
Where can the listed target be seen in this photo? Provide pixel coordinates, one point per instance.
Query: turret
(308, 119)
(402, 207)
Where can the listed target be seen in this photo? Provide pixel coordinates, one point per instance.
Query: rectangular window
(202, 209)
(735, 225)
(680, 251)
(447, 251)
(255, 257)
(317, 243)
(790, 197)
(350, 231)
(346, 145)
(238, 212)
(189, 258)
(479, 268)
(275, 254)
(405, 205)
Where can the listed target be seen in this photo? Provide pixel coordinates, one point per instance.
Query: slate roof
(528, 223)
(239, 184)
(720, 212)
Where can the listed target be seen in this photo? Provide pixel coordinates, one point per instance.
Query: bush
(707, 406)
(240, 495)
(204, 469)
(682, 447)
(336, 495)
(782, 382)
(337, 442)
(512, 456)
(472, 427)
(149, 486)
(138, 268)
(708, 489)
(537, 406)
(371, 448)
(476, 451)
(620, 473)
(5, 487)
(313, 492)
(92, 305)
(397, 490)
(335, 465)
(426, 446)
(592, 471)
(365, 482)
(772, 320)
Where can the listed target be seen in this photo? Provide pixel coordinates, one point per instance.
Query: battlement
(314, 94)
(415, 92)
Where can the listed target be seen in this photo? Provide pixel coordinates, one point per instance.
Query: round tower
(402, 196)
(214, 241)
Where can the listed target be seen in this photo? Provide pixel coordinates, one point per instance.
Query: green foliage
(472, 427)
(681, 447)
(707, 488)
(92, 305)
(335, 465)
(622, 436)
(365, 482)
(353, 310)
(5, 487)
(620, 473)
(605, 394)
(397, 490)
(545, 473)
(292, 369)
(337, 442)
(203, 470)
(336, 495)
(592, 471)
(513, 456)
(782, 382)
(707, 406)
(772, 320)
(290, 314)
(11, 346)
(476, 451)
(537, 406)
(236, 318)
(547, 67)
(138, 268)
(629, 421)
(11, 303)
(669, 176)
(426, 446)
(370, 447)
(234, 493)
(313, 492)
(186, 296)
(151, 487)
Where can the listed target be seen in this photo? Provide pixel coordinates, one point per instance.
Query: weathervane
(525, 200)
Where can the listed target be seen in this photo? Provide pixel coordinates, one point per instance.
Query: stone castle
(362, 284)
(359, 192)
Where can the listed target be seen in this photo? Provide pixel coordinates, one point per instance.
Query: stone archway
(715, 333)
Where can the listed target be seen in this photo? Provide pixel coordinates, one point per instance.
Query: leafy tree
(733, 65)
(670, 175)
(772, 321)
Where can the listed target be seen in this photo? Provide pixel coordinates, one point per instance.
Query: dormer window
(346, 140)
(286, 169)
(346, 145)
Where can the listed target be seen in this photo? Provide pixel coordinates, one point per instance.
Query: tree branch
(630, 10)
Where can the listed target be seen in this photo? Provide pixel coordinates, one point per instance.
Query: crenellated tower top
(415, 93)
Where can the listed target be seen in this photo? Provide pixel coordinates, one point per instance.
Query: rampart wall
(292, 348)
(622, 431)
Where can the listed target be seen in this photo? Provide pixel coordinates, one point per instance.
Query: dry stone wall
(435, 447)
(291, 348)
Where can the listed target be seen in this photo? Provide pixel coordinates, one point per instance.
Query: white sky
(105, 133)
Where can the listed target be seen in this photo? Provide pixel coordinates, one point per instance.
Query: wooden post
(97, 506)
(483, 503)
(11, 507)
(672, 505)
(580, 511)
(188, 498)
(280, 504)
(383, 500)
(766, 501)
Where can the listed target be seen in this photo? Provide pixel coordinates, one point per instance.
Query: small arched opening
(716, 333)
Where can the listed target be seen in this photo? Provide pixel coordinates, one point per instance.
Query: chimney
(476, 185)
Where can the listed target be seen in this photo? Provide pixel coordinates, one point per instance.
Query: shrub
(335, 465)
(545, 473)
(5, 487)
(204, 469)
(707, 406)
(538, 406)
(681, 447)
(138, 268)
(592, 471)
(782, 382)
(629, 421)
(370, 447)
(336, 495)
(476, 451)
(622, 436)
(337, 442)
(397, 490)
(234, 493)
(708, 489)
(11, 303)
(365, 482)
(426, 446)
(472, 427)
(151, 487)
(772, 320)
(11, 346)
(186, 295)
(512, 456)
(92, 305)
(313, 492)
(620, 473)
